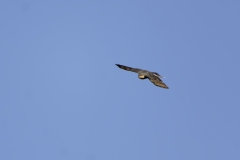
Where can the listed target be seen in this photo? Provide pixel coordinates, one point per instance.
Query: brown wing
(128, 68)
(157, 81)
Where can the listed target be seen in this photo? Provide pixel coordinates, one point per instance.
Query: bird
(154, 77)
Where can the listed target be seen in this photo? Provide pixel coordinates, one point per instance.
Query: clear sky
(63, 98)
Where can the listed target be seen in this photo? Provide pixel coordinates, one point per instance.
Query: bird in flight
(154, 77)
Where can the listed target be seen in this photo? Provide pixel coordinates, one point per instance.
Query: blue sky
(63, 98)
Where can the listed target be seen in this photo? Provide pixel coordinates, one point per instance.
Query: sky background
(63, 98)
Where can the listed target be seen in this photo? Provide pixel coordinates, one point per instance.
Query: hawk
(154, 77)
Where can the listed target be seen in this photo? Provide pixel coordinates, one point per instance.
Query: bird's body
(154, 77)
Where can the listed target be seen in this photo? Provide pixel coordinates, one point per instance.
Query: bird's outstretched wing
(157, 81)
(128, 68)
